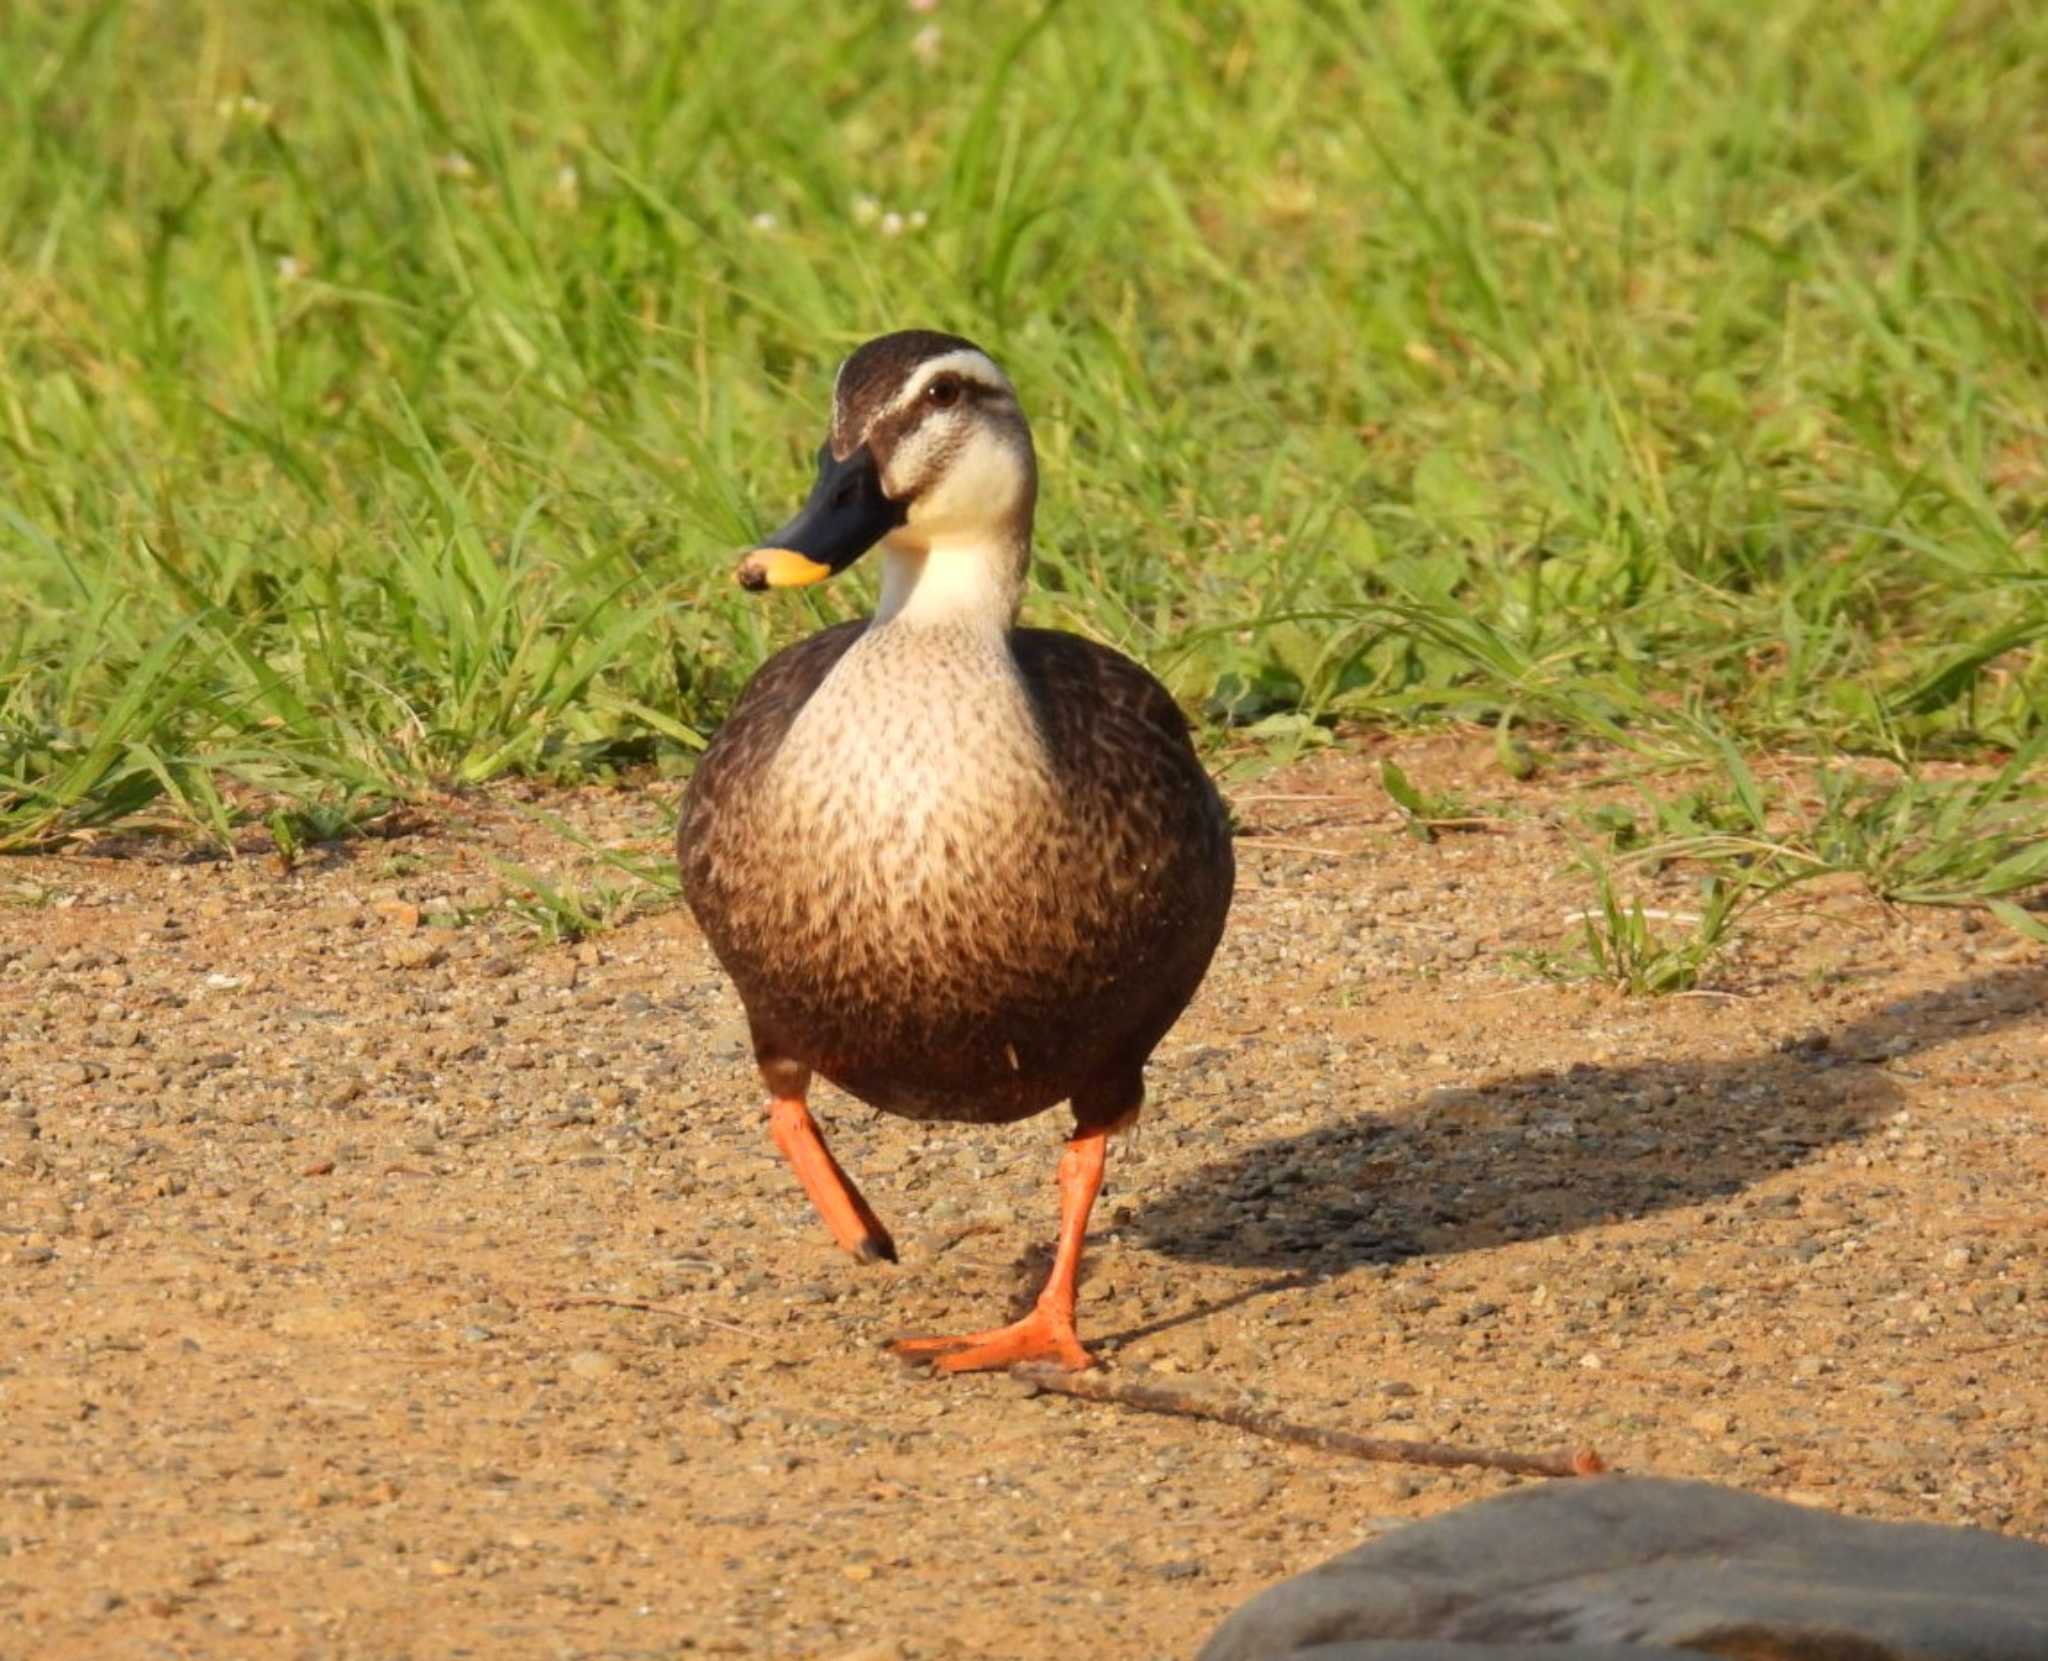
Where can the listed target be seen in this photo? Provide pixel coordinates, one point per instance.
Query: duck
(963, 869)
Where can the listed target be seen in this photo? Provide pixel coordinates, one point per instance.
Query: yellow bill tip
(778, 568)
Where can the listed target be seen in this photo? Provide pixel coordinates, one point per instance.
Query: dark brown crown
(869, 378)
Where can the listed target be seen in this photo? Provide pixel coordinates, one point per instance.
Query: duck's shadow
(1530, 1155)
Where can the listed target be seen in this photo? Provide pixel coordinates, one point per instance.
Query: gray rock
(1626, 1568)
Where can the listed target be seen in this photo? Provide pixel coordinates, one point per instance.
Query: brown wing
(1089, 692)
(1147, 806)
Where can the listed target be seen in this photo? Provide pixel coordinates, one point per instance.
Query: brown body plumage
(963, 869)
(973, 902)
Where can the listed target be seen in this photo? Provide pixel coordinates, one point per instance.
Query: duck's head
(930, 456)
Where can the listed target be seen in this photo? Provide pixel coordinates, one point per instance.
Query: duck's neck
(975, 585)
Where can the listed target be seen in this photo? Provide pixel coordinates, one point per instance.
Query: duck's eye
(943, 393)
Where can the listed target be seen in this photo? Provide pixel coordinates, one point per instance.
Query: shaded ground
(295, 1171)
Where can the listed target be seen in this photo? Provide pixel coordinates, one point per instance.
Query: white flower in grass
(290, 268)
(568, 189)
(893, 223)
(765, 222)
(866, 210)
(455, 165)
(925, 44)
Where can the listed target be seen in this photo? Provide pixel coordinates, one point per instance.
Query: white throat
(976, 584)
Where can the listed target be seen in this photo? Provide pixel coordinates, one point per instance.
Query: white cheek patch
(980, 484)
(913, 460)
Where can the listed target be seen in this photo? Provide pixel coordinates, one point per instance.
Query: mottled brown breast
(959, 889)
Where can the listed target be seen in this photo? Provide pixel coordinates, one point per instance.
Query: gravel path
(313, 1188)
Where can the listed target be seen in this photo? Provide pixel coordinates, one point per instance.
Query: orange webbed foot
(1047, 1333)
(1043, 1335)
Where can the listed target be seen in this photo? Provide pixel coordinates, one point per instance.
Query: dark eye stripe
(859, 415)
(965, 386)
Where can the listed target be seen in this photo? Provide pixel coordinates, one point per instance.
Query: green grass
(1622, 944)
(385, 387)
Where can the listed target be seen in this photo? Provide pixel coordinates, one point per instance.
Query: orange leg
(1047, 1333)
(850, 1218)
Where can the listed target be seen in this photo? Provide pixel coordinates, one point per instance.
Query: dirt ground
(312, 1186)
